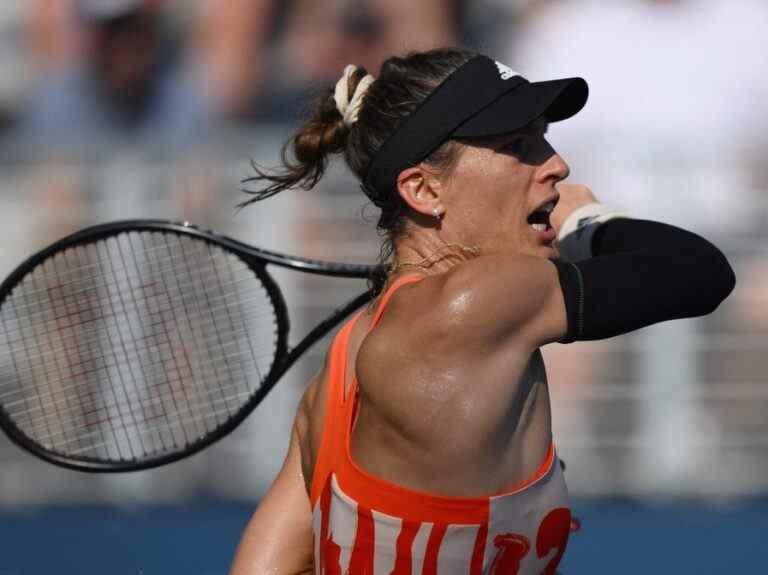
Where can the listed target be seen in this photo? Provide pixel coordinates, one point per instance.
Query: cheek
(489, 191)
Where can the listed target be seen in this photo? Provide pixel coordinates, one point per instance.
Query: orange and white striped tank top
(365, 525)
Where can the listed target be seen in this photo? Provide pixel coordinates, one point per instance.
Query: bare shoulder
(454, 331)
(496, 298)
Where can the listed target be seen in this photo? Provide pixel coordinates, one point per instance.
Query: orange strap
(332, 442)
(397, 284)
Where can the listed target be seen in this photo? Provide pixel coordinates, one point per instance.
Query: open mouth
(539, 219)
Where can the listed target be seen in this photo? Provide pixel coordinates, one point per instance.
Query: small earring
(436, 213)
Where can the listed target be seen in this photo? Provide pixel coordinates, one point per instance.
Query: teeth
(539, 227)
(546, 208)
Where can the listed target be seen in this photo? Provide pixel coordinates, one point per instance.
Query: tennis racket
(132, 344)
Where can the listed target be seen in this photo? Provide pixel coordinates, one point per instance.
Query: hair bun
(349, 108)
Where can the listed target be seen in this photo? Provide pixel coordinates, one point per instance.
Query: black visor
(482, 98)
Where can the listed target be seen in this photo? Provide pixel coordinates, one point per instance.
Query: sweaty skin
(438, 414)
(453, 395)
(453, 400)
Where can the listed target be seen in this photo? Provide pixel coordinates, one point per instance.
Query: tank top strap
(339, 410)
(338, 362)
(397, 284)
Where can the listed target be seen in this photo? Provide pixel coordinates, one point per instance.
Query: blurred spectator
(319, 40)
(417, 25)
(267, 55)
(50, 37)
(124, 99)
(127, 88)
(14, 70)
(233, 38)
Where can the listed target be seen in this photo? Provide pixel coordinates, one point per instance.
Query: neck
(429, 253)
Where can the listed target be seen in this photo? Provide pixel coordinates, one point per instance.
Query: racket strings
(80, 269)
(146, 327)
(134, 349)
(85, 409)
(121, 414)
(181, 369)
(89, 364)
(180, 415)
(142, 342)
(208, 309)
(58, 291)
(143, 406)
(97, 366)
(83, 451)
(207, 303)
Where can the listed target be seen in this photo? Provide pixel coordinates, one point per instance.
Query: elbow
(725, 284)
(718, 281)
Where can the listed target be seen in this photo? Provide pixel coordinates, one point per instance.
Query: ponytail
(304, 157)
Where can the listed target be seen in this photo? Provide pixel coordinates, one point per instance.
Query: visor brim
(555, 100)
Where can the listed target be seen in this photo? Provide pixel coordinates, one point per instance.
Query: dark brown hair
(403, 84)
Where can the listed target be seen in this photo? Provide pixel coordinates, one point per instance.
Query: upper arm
(508, 297)
(278, 538)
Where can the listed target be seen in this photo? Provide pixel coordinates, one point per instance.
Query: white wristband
(576, 233)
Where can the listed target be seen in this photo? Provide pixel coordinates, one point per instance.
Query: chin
(545, 251)
(540, 251)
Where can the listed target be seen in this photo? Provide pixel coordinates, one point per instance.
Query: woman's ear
(421, 190)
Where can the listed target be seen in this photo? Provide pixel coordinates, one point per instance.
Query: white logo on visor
(505, 71)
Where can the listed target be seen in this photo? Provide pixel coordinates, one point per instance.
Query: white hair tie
(349, 109)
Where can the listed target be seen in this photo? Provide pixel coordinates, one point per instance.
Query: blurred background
(116, 109)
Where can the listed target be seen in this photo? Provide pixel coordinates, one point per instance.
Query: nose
(555, 169)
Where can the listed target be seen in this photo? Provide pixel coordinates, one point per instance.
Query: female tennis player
(425, 443)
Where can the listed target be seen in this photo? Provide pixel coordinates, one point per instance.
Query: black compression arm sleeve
(643, 273)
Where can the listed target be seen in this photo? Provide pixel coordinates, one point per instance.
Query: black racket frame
(256, 259)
